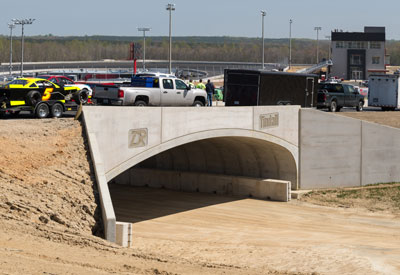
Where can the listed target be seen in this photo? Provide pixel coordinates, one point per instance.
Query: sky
(201, 17)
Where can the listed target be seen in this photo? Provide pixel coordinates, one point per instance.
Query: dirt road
(258, 236)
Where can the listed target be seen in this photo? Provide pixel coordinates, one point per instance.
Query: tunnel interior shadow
(137, 204)
(205, 167)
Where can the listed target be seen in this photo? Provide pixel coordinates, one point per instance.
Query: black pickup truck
(334, 96)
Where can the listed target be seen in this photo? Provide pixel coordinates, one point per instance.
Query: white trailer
(384, 91)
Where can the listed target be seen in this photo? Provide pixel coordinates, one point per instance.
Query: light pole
(11, 26)
(290, 43)
(330, 44)
(317, 29)
(263, 14)
(170, 8)
(22, 22)
(144, 30)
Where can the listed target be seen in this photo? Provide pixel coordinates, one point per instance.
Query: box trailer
(383, 91)
(252, 88)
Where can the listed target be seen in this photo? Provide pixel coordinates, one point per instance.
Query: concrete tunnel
(219, 157)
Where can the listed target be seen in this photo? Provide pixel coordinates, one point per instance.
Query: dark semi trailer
(252, 88)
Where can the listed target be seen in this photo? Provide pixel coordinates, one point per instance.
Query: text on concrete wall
(137, 138)
(269, 120)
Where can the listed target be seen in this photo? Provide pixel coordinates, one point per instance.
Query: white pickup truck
(150, 91)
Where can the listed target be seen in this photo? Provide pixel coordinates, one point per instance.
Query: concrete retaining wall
(270, 189)
(337, 151)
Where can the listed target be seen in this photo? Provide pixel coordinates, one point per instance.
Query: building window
(356, 45)
(355, 59)
(374, 45)
(376, 60)
(339, 44)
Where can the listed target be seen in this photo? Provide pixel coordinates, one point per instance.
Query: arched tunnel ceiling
(239, 156)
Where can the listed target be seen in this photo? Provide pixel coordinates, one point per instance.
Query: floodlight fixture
(23, 22)
(11, 26)
(144, 30)
(170, 8)
(263, 14)
(317, 29)
(290, 42)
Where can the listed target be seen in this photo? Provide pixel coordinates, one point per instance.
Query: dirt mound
(45, 177)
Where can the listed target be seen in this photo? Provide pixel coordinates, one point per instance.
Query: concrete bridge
(248, 151)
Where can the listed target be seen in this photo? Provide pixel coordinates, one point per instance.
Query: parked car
(39, 96)
(150, 91)
(67, 82)
(334, 96)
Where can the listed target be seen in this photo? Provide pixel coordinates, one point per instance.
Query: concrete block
(276, 190)
(213, 183)
(124, 234)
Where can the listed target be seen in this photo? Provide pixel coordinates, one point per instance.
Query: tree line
(230, 49)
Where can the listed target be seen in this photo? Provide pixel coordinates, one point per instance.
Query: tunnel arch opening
(199, 162)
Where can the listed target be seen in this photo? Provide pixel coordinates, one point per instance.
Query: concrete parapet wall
(107, 209)
(208, 183)
(337, 151)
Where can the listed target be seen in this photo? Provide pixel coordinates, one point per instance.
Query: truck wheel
(33, 97)
(198, 103)
(42, 110)
(360, 106)
(333, 106)
(140, 103)
(57, 110)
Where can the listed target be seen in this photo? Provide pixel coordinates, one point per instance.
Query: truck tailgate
(106, 95)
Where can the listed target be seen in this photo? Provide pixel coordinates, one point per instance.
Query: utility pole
(11, 26)
(170, 8)
(317, 29)
(263, 14)
(144, 30)
(330, 45)
(290, 43)
(22, 22)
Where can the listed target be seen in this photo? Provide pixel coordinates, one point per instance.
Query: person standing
(201, 85)
(192, 86)
(210, 89)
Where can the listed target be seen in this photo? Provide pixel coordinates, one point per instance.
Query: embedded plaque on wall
(269, 120)
(137, 138)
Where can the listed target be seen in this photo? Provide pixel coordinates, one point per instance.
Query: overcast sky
(201, 17)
